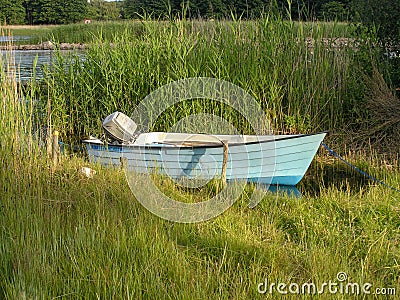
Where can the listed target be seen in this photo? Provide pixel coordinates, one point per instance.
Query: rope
(333, 153)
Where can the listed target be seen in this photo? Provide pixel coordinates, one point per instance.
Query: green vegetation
(12, 12)
(92, 33)
(55, 12)
(74, 33)
(101, 10)
(381, 16)
(64, 235)
(301, 74)
(219, 9)
(68, 236)
(62, 11)
(35, 12)
(34, 34)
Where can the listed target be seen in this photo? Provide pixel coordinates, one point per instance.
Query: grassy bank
(111, 30)
(34, 34)
(72, 33)
(63, 235)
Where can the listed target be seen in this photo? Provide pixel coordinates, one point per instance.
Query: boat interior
(195, 139)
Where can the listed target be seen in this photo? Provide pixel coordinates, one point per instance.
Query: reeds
(302, 86)
(16, 117)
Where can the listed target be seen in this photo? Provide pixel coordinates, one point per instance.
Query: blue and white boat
(267, 159)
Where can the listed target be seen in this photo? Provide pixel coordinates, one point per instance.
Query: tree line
(34, 12)
(70, 11)
(383, 16)
(245, 9)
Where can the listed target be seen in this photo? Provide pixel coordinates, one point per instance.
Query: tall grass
(87, 33)
(32, 34)
(302, 86)
(72, 33)
(17, 119)
(76, 237)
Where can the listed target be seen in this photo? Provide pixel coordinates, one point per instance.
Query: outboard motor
(119, 127)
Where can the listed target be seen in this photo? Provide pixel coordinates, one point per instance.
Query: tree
(55, 11)
(216, 9)
(12, 11)
(334, 11)
(154, 8)
(194, 8)
(383, 16)
(246, 9)
(103, 10)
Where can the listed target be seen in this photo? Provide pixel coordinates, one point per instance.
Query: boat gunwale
(169, 146)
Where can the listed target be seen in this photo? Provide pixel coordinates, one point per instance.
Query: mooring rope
(333, 153)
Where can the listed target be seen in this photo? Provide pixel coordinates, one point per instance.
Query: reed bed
(18, 147)
(72, 33)
(301, 86)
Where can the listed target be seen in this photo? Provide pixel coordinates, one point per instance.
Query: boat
(264, 159)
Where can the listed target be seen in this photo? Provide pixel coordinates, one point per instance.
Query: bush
(383, 17)
(334, 11)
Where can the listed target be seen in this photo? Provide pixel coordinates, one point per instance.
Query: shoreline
(45, 46)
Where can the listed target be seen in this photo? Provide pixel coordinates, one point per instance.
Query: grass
(67, 235)
(63, 235)
(72, 33)
(110, 30)
(37, 33)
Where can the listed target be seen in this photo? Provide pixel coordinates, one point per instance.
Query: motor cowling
(119, 127)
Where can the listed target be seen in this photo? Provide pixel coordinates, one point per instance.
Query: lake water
(22, 62)
(7, 39)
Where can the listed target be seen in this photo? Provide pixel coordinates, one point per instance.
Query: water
(22, 62)
(8, 39)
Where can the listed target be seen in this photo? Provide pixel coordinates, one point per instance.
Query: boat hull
(280, 160)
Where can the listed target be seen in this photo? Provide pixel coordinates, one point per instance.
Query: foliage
(381, 16)
(101, 10)
(195, 8)
(334, 11)
(55, 11)
(220, 9)
(135, 8)
(12, 11)
(382, 20)
(63, 11)
(90, 33)
(320, 9)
